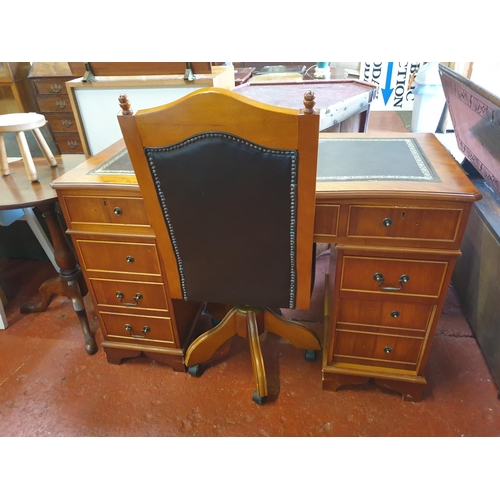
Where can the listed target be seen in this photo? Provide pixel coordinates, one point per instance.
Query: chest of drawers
(49, 83)
(395, 241)
(117, 251)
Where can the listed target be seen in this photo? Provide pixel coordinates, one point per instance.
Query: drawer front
(51, 86)
(326, 220)
(376, 350)
(143, 329)
(377, 314)
(410, 277)
(54, 104)
(69, 143)
(131, 295)
(106, 210)
(62, 122)
(404, 223)
(135, 260)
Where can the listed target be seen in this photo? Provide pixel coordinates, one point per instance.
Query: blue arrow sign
(387, 90)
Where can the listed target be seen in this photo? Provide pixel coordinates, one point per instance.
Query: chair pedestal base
(247, 322)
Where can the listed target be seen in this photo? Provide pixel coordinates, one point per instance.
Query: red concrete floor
(49, 386)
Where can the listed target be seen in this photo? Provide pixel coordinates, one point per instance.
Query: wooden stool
(19, 123)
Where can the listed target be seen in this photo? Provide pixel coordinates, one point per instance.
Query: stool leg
(26, 154)
(4, 164)
(44, 147)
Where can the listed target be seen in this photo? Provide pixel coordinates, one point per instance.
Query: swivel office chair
(229, 187)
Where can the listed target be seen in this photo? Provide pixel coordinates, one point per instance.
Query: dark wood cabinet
(49, 84)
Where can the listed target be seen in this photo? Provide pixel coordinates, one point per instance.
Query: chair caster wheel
(260, 400)
(195, 370)
(310, 355)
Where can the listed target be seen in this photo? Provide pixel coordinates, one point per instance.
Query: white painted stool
(19, 123)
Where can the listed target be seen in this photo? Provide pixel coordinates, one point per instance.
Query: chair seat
(20, 122)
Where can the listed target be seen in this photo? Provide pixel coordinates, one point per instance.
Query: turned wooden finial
(125, 105)
(309, 102)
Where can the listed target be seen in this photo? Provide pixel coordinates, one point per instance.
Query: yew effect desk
(394, 207)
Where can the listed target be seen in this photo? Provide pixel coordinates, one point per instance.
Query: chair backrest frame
(220, 110)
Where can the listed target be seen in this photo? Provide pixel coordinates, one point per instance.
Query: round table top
(19, 122)
(17, 191)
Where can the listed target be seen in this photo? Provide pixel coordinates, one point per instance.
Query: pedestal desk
(393, 206)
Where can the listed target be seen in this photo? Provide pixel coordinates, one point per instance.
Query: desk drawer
(377, 350)
(379, 314)
(409, 277)
(130, 295)
(143, 329)
(106, 210)
(134, 260)
(410, 223)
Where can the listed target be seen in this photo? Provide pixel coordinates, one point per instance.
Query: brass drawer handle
(117, 211)
(130, 259)
(387, 222)
(61, 104)
(72, 144)
(137, 297)
(55, 87)
(141, 335)
(66, 123)
(395, 314)
(388, 349)
(379, 277)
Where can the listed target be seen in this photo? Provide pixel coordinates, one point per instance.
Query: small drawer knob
(388, 349)
(117, 211)
(395, 314)
(387, 222)
(130, 259)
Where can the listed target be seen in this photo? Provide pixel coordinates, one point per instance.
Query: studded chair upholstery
(229, 186)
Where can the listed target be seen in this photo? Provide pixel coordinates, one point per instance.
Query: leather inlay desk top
(340, 159)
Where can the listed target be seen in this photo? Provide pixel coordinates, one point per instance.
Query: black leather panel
(230, 210)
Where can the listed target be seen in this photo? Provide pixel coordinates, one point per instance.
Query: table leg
(70, 281)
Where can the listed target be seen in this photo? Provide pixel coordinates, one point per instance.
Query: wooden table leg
(70, 281)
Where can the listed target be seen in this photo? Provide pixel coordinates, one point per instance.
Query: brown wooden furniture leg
(294, 332)
(259, 371)
(68, 282)
(410, 391)
(332, 381)
(117, 352)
